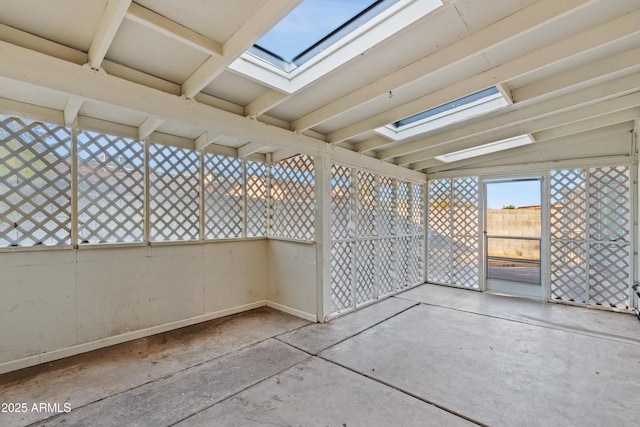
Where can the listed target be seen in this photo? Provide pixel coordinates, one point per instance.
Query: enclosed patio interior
(314, 212)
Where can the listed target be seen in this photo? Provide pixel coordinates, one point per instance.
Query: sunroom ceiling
(179, 69)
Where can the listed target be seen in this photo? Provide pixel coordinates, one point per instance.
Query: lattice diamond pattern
(256, 198)
(568, 202)
(223, 196)
(404, 260)
(417, 209)
(569, 280)
(342, 226)
(35, 185)
(387, 206)
(174, 188)
(365, 269)
(609, 203)
(366, 207)
(111, 188)
(415, 260)
(341, 276)
(465, 206)
(293, 205)
(466, 262)
(386, 267)
(440, 207)
(609, 275)
(404, 209)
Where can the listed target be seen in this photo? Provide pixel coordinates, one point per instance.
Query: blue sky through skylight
(309, 23)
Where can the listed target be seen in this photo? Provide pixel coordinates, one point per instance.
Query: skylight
(473, 105)
(481, 150)
(312, 27)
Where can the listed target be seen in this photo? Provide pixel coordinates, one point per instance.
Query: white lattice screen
(35, 183)
(453, 244)
(110, 188)
(590, 235)
(256, 198)
(293, 201)
(174, 193)
(371, 255)
(223, 192)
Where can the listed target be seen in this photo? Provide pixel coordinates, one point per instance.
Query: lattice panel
(365, 270)
(440, 207)
(387, 207)
(568, 204)
(256, 198)
(404, 209)
(415, 260)
(35, 183)
(366, 205)
(466, 262)
(465, 206)
(174, 188)
(609, 203)
(417, 209)
(404, 260)
(609, 275)
(341, 276)
(293, 205)
(342, 225)
(569, 279)
(386, 266)
(223, 193)
(111, 188)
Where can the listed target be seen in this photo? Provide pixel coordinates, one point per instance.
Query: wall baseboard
(294, 312)
(50, 356)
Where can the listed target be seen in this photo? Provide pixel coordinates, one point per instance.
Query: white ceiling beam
(588, 115)
(206, 139)
(172, 29)
(264, 103)
(278, 156)
(148, 127)
(433, 166)
(19, 65)
(107, 28)
(614, 65)
(71, 110)
(256, 26)
(519, 115)
(496, 34)
(248, 149)
(372, 144)
(612, 31)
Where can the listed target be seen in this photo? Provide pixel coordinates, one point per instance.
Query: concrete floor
(429, 356)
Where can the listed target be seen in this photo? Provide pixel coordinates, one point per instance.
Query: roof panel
(70, 22)
(216, 19)
(143, 49)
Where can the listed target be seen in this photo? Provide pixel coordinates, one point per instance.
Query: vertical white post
(201, 189)
(354, 247)
(74, 184)
(323, 237)
(244, 197)
(635, 199)
(268, 190)
(147, 196)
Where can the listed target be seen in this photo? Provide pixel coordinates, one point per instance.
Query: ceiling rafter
(111, 19)
(172, 29)
(588, 115)
(526, 113)
(486, 38)
(259, 23)
(541, 146)
(71, 110)
(150, 125)
(249, 149)
(586, 41)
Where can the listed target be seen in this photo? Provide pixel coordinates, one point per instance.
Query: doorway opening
(513, 237)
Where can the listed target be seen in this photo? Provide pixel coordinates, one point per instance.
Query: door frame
(507, 287)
